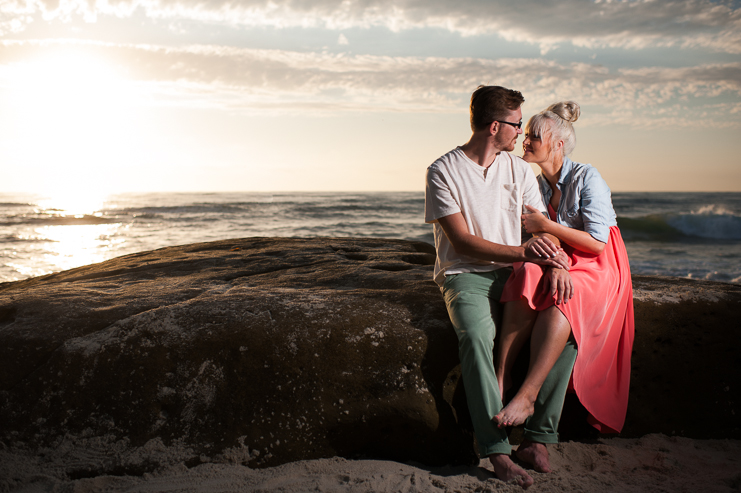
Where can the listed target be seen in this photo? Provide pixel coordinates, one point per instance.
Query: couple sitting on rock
(567, 289)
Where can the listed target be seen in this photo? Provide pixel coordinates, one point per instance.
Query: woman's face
(536, 147)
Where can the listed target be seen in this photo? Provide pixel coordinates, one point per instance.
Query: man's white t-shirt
(491, 201)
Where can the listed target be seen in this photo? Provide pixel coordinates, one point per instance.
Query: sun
(73, 112)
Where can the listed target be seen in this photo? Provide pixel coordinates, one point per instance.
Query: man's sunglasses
(516, 125)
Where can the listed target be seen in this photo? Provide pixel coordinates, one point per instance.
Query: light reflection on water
(57, 248)
(58, 232)
(74, 246)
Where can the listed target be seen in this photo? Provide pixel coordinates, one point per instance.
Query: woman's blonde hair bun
(567, 110)
(555, 124)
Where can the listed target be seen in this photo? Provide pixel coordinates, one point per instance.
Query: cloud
(14, 16)
(342, 40)
(629, 24)
(254, 80)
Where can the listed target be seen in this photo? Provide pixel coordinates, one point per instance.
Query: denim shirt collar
(545, 187)
(566, 168)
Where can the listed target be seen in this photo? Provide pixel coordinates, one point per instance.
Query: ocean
(691, 235)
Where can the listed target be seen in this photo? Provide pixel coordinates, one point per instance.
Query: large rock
(271, 349)
(686, 365)
(264, 351)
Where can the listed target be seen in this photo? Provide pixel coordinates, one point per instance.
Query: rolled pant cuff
(497, 448)
(540, 437)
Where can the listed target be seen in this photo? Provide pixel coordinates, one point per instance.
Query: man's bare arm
(465, 243)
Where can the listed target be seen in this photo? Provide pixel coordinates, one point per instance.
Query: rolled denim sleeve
(596, 206)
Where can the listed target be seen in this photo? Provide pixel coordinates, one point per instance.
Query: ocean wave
(194, 209)
(708, 223)
(146, 215)
(14, 204)
(322, 208)
(347, 209)
(18, 239)
(57, 220)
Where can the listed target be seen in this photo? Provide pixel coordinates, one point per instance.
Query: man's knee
(473, 321)
(476, 339)
(474, 314)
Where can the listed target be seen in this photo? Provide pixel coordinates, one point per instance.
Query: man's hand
(559, 261)
(534, 221)
(561, 285)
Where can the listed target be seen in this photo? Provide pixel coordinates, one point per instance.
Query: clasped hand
(543, 251)
(547, 253)
(534, 221)
(558, 276)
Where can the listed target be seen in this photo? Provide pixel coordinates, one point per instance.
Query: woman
(593, 308)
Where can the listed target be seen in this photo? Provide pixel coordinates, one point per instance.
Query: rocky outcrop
(267, 350)
(272, 350)
(686, 364)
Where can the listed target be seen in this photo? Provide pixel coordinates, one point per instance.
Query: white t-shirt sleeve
(439, 199)
(531, 191)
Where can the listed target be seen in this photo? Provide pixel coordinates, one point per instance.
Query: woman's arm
(465, 243)
(581, 240)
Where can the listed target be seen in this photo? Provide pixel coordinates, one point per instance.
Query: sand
(653, 463)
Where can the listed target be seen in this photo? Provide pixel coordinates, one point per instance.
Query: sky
(359, 95)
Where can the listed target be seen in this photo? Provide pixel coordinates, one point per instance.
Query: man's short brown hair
(491, 103)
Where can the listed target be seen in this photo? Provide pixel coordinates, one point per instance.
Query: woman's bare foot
(506, 470)
(516, 412)
(535, 454)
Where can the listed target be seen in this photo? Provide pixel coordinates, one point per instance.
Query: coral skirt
(601, 318)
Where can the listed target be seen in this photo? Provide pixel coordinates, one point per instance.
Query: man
(474, 199)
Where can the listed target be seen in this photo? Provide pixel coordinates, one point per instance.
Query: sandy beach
(653, 463)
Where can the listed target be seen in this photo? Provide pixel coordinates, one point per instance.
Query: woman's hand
(535, 221)
(542, 247)
(560, 259)
(561, 286)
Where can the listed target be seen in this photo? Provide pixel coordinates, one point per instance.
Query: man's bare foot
(506, 470)
(516, 412)
(535, 454)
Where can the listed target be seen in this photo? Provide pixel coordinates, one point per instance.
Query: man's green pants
(473, 305)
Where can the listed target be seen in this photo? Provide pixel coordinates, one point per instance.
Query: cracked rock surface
(263, 351)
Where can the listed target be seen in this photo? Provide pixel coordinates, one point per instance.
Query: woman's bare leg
(517, 324)
(549, 336)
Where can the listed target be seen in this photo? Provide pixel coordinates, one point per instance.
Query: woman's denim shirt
(585, 199)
